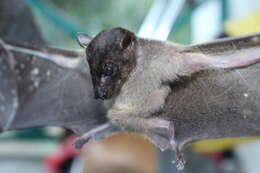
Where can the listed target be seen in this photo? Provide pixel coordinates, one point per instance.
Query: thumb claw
(79, 143)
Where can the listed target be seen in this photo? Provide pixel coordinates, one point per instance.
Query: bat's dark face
(111, 56)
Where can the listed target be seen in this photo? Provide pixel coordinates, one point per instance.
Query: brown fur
(159, 65)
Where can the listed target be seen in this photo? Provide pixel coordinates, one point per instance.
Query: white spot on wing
(48, 73)
(35, 71)
(246, 95)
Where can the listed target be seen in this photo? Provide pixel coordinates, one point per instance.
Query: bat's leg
(90, 135)
(153, 124)
(236, 62)
(146, 125)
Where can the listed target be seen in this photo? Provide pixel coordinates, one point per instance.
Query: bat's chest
(143, 104)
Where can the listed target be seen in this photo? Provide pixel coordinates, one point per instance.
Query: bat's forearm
(231, 53)
(227, 45)
(61, 57)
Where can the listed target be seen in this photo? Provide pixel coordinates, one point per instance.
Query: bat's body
(158, 86)
(173, 93)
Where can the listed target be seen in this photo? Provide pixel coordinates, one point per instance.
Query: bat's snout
(101, 93)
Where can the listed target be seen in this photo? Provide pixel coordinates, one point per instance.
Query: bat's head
(111, 56)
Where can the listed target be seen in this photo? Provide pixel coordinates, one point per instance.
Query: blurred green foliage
(59, 20)
(97, 15)
(90, 16)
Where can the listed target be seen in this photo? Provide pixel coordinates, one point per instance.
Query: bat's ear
(128, 40)
(83, 39)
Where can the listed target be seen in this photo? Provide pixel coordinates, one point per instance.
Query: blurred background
(49, 150)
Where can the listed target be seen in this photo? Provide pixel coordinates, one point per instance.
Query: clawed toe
(154, 124)
(180, 161)
(80, 142)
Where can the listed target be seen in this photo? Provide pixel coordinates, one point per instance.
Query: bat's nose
(101, 93)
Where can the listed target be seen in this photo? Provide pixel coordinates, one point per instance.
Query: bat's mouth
(102, 94)
(102, 97)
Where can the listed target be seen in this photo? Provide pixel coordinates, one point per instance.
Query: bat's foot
(156, 125)
(180, 161)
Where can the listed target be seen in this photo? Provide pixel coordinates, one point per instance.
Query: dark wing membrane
(54, 95)
(46, 93)
(8, 92)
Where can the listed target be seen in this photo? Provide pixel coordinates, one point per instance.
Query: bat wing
(8, 94)
(218, 103)
(40, 90)
(50, 94)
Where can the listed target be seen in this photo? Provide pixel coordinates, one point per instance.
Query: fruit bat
(203, 101)
(176, 94)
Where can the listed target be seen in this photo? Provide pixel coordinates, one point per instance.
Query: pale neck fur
(157, 62)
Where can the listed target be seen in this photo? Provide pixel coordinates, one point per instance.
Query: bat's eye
(108, 71)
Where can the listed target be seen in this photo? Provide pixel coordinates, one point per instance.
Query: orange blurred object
(121, 153)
